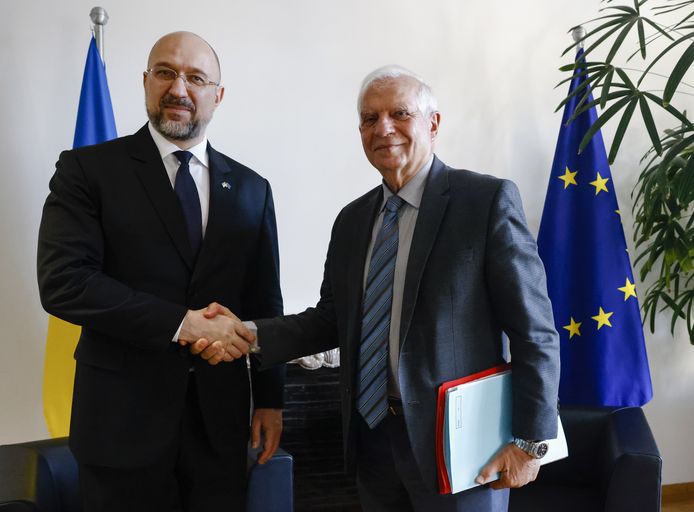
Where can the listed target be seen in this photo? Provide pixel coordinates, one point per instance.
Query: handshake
(216, 334)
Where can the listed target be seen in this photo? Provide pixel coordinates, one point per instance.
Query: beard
(173, 129)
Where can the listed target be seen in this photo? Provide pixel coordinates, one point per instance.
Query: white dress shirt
(199, 170)
(198, 165)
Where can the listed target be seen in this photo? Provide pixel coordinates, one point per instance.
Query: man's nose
(384, 126)
(178, 88)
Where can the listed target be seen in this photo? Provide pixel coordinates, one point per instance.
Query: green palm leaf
(677, 74)
(650, 124)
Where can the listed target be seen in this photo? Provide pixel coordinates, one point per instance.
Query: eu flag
(581, 242)
(95, 124)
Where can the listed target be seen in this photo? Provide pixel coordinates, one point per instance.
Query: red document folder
(444, 483)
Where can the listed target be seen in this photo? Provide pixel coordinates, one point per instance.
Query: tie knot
(183, 156)
(394, 203)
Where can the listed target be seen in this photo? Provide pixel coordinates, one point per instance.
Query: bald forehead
(185, 50)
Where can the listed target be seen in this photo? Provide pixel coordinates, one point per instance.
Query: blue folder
(476, 423)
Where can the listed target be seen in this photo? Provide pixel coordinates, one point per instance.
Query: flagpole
(578, 33)
(99, 17)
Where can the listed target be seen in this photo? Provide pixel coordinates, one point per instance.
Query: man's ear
(219, 95)
(434, 124)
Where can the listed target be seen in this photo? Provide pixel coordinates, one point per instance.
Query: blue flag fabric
(589, 278)
(95, 122)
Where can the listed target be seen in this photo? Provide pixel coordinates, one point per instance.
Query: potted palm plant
(664, 192)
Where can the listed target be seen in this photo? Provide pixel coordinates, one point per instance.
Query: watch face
(541, 450)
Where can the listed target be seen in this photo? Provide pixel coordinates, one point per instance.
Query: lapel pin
(225, 184)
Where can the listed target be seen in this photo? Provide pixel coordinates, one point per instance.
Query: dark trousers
(190, 477)
(389, 480)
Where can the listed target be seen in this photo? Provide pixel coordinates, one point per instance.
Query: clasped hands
(215, 334)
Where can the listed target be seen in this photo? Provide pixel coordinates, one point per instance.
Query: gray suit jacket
(473, 273)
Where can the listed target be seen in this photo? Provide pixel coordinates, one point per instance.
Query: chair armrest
(613, 466)
(44, 473)
(635, 465)
(270, 485)
(18, 479)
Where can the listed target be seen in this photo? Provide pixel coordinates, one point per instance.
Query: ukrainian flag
(95, 123)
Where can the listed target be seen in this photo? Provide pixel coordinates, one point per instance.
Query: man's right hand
(215, 338)
(215, 308)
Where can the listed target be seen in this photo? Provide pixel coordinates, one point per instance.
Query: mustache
(170, 100)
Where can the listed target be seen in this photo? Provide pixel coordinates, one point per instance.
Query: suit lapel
(152, 174)
(431, 213)
(222, 210)
(360, 231)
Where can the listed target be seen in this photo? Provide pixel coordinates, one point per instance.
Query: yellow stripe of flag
(59, 375)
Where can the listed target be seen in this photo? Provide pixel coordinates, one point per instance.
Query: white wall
(292, 70)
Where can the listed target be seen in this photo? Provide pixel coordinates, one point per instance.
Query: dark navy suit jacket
(113, 257)
(473, 273)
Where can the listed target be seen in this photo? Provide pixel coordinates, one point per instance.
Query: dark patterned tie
(187, 194)
(372, 400)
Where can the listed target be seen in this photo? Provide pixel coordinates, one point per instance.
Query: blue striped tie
(372, 400)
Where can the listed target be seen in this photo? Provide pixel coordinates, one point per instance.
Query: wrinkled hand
(269, 423)
(516, 467)
(215, 339)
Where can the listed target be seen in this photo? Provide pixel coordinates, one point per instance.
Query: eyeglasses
(168, 75)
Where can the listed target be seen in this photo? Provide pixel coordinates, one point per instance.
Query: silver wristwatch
(536, 449)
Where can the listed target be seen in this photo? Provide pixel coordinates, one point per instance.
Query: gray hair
(426, 102)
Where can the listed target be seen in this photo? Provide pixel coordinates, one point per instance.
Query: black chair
(613, 466)
(41, 476)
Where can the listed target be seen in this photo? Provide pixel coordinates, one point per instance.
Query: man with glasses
(137, 235)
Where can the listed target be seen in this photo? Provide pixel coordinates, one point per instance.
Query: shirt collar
(166, 147)
(413, 190)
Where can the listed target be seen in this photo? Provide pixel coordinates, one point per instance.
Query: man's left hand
(516, 467)
(213, 353)
(269, 423)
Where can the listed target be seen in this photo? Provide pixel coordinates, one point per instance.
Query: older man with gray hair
(424, 274)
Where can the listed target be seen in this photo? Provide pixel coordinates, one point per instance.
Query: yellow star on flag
(603, 319)
(569, 178)
(629, 289)
(573, 328)
(599, 184)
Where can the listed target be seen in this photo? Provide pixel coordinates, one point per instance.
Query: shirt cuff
(250, 325)
(178, 332)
